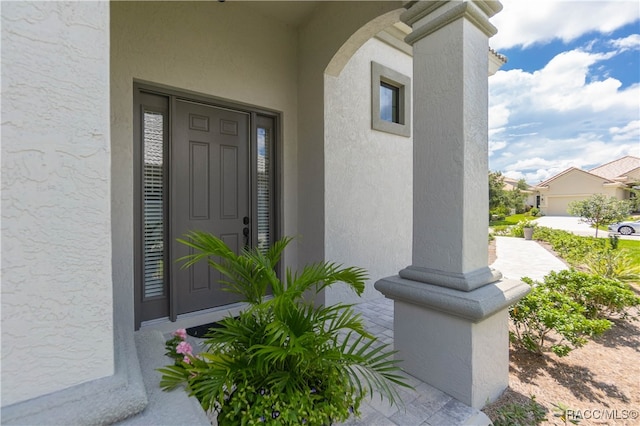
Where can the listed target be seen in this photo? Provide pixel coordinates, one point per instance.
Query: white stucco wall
(332, 34)
(224, 50)
(57, 316)
(368, 175)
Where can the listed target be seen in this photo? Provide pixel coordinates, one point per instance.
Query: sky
(569, 94)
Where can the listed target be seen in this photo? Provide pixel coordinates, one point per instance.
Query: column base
(453, 340)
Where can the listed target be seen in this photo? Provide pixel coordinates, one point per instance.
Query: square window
(390, 101)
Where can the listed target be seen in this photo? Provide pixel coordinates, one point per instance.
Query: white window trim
(381, 74)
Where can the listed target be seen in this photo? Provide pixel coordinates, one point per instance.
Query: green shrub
(570, 247)
(593, 253)
(517, 230)
(496, 217)
(546, 309)
(499, 213)
(502, 230)
(529, 414)
(599, 296)
(614, 264)
(561, 411)
(282, 360)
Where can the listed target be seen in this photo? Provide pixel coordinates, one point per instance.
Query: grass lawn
(510, 220)
(633, 247)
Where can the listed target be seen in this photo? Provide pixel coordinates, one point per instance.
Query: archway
(368, 171)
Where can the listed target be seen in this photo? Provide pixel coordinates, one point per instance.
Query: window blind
(153, 198)
(264, 199)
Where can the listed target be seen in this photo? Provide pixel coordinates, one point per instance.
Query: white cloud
(628, 133)
(541, 175)
(496, 146)
(562, 96)
(562, 84)
(515, 175)
(543, 158)
(498, 116)
(571, 112)
(527, 22)
(627, 43)
(530, 163)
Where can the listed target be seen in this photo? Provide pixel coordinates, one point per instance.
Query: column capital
(437, 14)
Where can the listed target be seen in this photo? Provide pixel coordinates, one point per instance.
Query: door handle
(245, 232)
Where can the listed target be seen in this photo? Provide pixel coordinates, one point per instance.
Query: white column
(450, 309)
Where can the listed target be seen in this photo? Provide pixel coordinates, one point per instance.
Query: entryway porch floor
(423, 406)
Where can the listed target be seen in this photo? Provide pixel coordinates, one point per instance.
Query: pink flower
(184, 348)
(181, 333)
(186, 360)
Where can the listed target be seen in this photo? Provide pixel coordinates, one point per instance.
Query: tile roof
(610, 171)
(498, 55)
(617, 168)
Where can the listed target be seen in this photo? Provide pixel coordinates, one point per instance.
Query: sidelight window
(153, 205)
(265, 186)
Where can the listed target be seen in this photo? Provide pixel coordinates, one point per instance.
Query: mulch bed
(600, 381)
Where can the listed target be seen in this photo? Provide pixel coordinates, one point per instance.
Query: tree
(502, 200)
(497, 194)
(634, 197)
(599, 210)
(522, 184)
(516, 199)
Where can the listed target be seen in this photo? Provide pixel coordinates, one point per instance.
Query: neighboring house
(612, 179)
(511, 184)
(625, 170)
(126, 124)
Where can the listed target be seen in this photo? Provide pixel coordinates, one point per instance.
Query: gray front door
(209, 186)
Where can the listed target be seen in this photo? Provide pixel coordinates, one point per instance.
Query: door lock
(245, 231)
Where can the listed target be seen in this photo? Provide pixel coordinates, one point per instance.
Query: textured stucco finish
(57, 315)
(368, 178)
(461, 358)
(450, 149)
(450, 310)
(471, 305)
(334, 29)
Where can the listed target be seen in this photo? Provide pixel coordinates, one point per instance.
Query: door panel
(198, 167)
(209, 177)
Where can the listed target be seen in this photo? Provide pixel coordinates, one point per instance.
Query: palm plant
(614, 264)
(282, 360)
